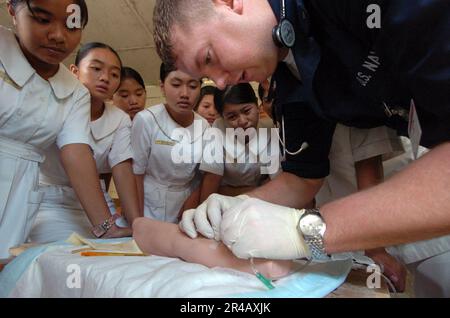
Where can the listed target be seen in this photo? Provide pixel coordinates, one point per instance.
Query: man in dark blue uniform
(357, 62)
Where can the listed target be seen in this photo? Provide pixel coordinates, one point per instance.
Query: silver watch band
(317, 248)
(312, 227)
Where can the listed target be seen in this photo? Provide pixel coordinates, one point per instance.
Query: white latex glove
(256, 228)
(206, 219)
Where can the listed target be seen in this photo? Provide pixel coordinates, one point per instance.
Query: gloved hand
(206, 219)
(255, 228)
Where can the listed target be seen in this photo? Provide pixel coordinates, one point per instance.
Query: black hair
(128, 72)
(237, 94)
(81, 3)
(88, 47)
(164, 71)
(205, 90)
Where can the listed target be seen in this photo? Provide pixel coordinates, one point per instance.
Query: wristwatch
(312, 226)
(100, 229)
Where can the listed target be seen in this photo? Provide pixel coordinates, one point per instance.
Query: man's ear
(74, 69)
(235, 5)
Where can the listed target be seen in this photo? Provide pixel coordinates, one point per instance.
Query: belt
(21, 150)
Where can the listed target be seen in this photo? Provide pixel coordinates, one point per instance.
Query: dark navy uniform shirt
(361, 76)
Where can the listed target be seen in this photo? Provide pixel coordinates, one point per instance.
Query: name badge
(414, 129)
(165, 143)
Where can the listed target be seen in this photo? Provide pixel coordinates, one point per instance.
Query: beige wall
(154, 95)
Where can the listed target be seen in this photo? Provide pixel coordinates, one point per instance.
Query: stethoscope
(283, 35)
(282, 140)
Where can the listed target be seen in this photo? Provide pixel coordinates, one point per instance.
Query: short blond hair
(167, 14)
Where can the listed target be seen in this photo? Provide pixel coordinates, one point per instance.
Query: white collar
(292, 65)
(160, 112)
(108, 122)
(20, 71)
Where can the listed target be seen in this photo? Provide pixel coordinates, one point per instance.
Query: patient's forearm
(165, 239)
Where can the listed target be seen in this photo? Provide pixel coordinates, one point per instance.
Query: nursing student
(131, 95)
(164, 180)
(242, 172)
(97, 66)
(41, 104)
(205, 105)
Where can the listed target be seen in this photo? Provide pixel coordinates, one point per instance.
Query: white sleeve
(121, 149)
(213, 159)
(213, 167)
(368, 143)
(141, 137)
(76, 129)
